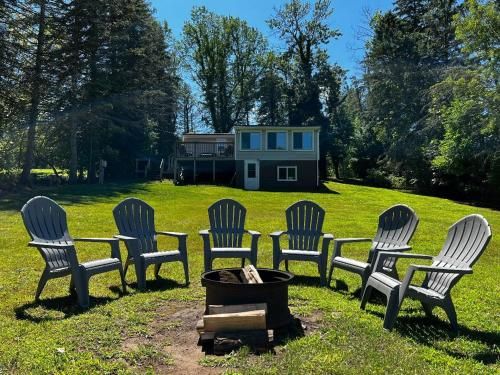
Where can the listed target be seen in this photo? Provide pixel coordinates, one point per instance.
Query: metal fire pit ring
(273, 291)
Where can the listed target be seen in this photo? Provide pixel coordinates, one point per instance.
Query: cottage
(254, 157)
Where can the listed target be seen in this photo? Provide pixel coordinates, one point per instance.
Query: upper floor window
(303, 140)
(250, 141)
(276, 140)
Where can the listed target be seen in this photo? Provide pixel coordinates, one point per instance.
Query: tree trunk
(35, 98)
(73, 162)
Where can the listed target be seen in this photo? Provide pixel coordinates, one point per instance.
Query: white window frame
(301, 149)
(250, 149)
(287, 167)
(277, 149)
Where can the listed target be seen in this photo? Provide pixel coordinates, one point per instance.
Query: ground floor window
(287, 173)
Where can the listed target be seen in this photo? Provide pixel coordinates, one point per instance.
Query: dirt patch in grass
(170, 347)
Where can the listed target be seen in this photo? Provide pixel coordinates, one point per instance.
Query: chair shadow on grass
(432, 331)
(154, 285)
(341, 287)
(58, 308)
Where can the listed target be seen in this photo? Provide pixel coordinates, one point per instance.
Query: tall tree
(223, 54)
(304, 28)
(35, 83)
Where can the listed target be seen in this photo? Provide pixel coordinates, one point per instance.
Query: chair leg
(392, 309)
(276, 262)
(330, 273)
(449, 308)
(367, 292)
(82, 290)
(322, 273)
(208, 262)
(157, 270)
(122, 278)
(427, 308)
(242, 262)
(186, 270)
(140, 271)
(41, 283)
(286, 265)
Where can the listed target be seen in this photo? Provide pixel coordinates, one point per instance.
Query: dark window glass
(297, 141)
(291, 173)
(271, 141)
(282, 173)
(251, 170)
(245, 141)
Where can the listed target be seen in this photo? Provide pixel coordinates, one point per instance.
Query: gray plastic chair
(305, 223)
(466, 241)
(227, 226)
(396, 227)
(46, 224)
(135, 220)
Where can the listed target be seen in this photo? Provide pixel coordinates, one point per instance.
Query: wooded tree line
(83, 80)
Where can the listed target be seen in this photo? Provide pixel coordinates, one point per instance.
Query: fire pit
(273, 291)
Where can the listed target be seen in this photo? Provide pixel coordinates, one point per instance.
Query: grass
(54, 336)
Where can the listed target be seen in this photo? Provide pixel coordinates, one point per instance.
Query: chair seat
(384, 281)
(160, 256)
(342, 262)
(100, 263)
(418, 290)
(300, 253)
(230, 252)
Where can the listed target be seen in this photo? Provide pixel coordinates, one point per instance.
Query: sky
(349, 16)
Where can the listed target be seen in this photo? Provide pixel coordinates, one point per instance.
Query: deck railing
(205, 150)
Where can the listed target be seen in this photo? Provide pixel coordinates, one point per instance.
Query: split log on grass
(242, 321)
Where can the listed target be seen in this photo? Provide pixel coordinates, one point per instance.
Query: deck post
(194, 171)
(213, 171)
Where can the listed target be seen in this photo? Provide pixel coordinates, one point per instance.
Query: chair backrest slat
(227, 223)
(396, 226)
(304, 225)
(466, 241)
(135, 218)
(46, 222)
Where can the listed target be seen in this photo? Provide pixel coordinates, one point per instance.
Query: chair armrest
(338, 242)
(381, 256)
(106, 240)
(113, 242)
(327, 238)
(204, 232)
(417, 267)
(462, 271)
(51, 245)
(352, 240)
(252, 232)
(395, 248)
(172, 234)
(278, 233)
(124, 238)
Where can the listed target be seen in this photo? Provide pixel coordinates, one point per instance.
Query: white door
(252, 174)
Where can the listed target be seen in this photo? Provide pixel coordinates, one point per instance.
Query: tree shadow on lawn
(71, 194)
(432, 331)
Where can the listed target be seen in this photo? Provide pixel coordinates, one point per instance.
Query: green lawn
(141, 331)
